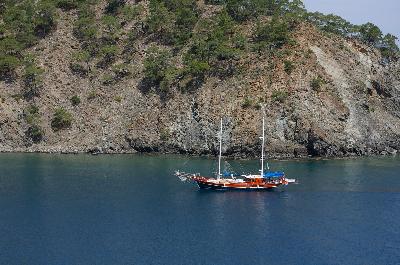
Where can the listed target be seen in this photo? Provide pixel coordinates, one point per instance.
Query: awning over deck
(277, 174)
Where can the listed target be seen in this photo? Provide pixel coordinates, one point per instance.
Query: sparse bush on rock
(75, 100)
(279, 96)
(32, 118)
(32, 81)
(316, 83)
(62, 119)
(288, 67)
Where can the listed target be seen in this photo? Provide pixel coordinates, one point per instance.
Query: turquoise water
(130, 209)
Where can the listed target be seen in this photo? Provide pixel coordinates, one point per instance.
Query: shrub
(118, 99)
(31, 114)
(75, 100)
(242, 10)
(367, 33)
(272, 35)
(113, 6)
(81, 56)
(289, 67)
(247, 103)
(121, 70)
(111, 28)
(79, 69)
(240, 41)
(370, 33)
(107, 79)
(108, 53)
(172, 21)
(17, 97)
(92, 95)
(10, 46)
(165, 134)
(389, 48)
(213, 49)
(35, 133)
(45, 20)
(29, 20)
(80, 63)
(161, 21)
(67, 4)
(170, 75)
(332, 24)
(8, 64)
(62, 119)
(279, 96)
(316, 83)
(129, 12)
(32, 118)
(156, 65)
(85, 27)
(196, 68)
(32, 81)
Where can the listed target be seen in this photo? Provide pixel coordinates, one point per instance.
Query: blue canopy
(277, 174)
(229, 174)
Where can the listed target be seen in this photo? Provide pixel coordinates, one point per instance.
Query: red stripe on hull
(204, 183)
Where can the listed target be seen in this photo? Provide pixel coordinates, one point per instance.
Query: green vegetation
(121, 70)
(22, 24)
(368, 33)
(31, 114)
(35, 133)
(111, 29)
(85, 27)
(80, 63)
(108, 55)
(288, 67)
(62, 119)
(213, 51)
(32, 81)
(107, 79)
(8, 64)
(157, 68)
(113, 6)
(272, 35)
(129, 12)
(92, 95)
(316, 83)
(247, 103)
(118, 99)
(195, 45)
(32, 118)
(67, 5)
(172, 21)
(242, 10)
(279, 96)
(165, 134)
(75, 100)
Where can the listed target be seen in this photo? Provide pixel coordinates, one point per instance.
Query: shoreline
(193, 155)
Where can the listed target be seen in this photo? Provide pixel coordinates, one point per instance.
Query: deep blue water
(130, 209)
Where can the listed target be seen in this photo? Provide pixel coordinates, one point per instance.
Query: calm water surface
(130, 209)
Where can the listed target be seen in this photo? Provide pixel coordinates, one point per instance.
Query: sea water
(131, 209)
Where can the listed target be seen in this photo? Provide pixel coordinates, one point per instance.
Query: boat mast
(220, 151)
(262, 148)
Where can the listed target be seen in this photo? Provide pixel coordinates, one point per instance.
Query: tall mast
(262, 148)
(220, 151)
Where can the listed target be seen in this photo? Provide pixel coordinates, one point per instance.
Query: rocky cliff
(339, 98)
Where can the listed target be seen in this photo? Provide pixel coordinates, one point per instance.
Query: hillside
(155, 76)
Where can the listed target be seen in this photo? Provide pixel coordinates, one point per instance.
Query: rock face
(354, 111)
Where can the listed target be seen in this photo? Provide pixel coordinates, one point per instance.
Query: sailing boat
(265, 180)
